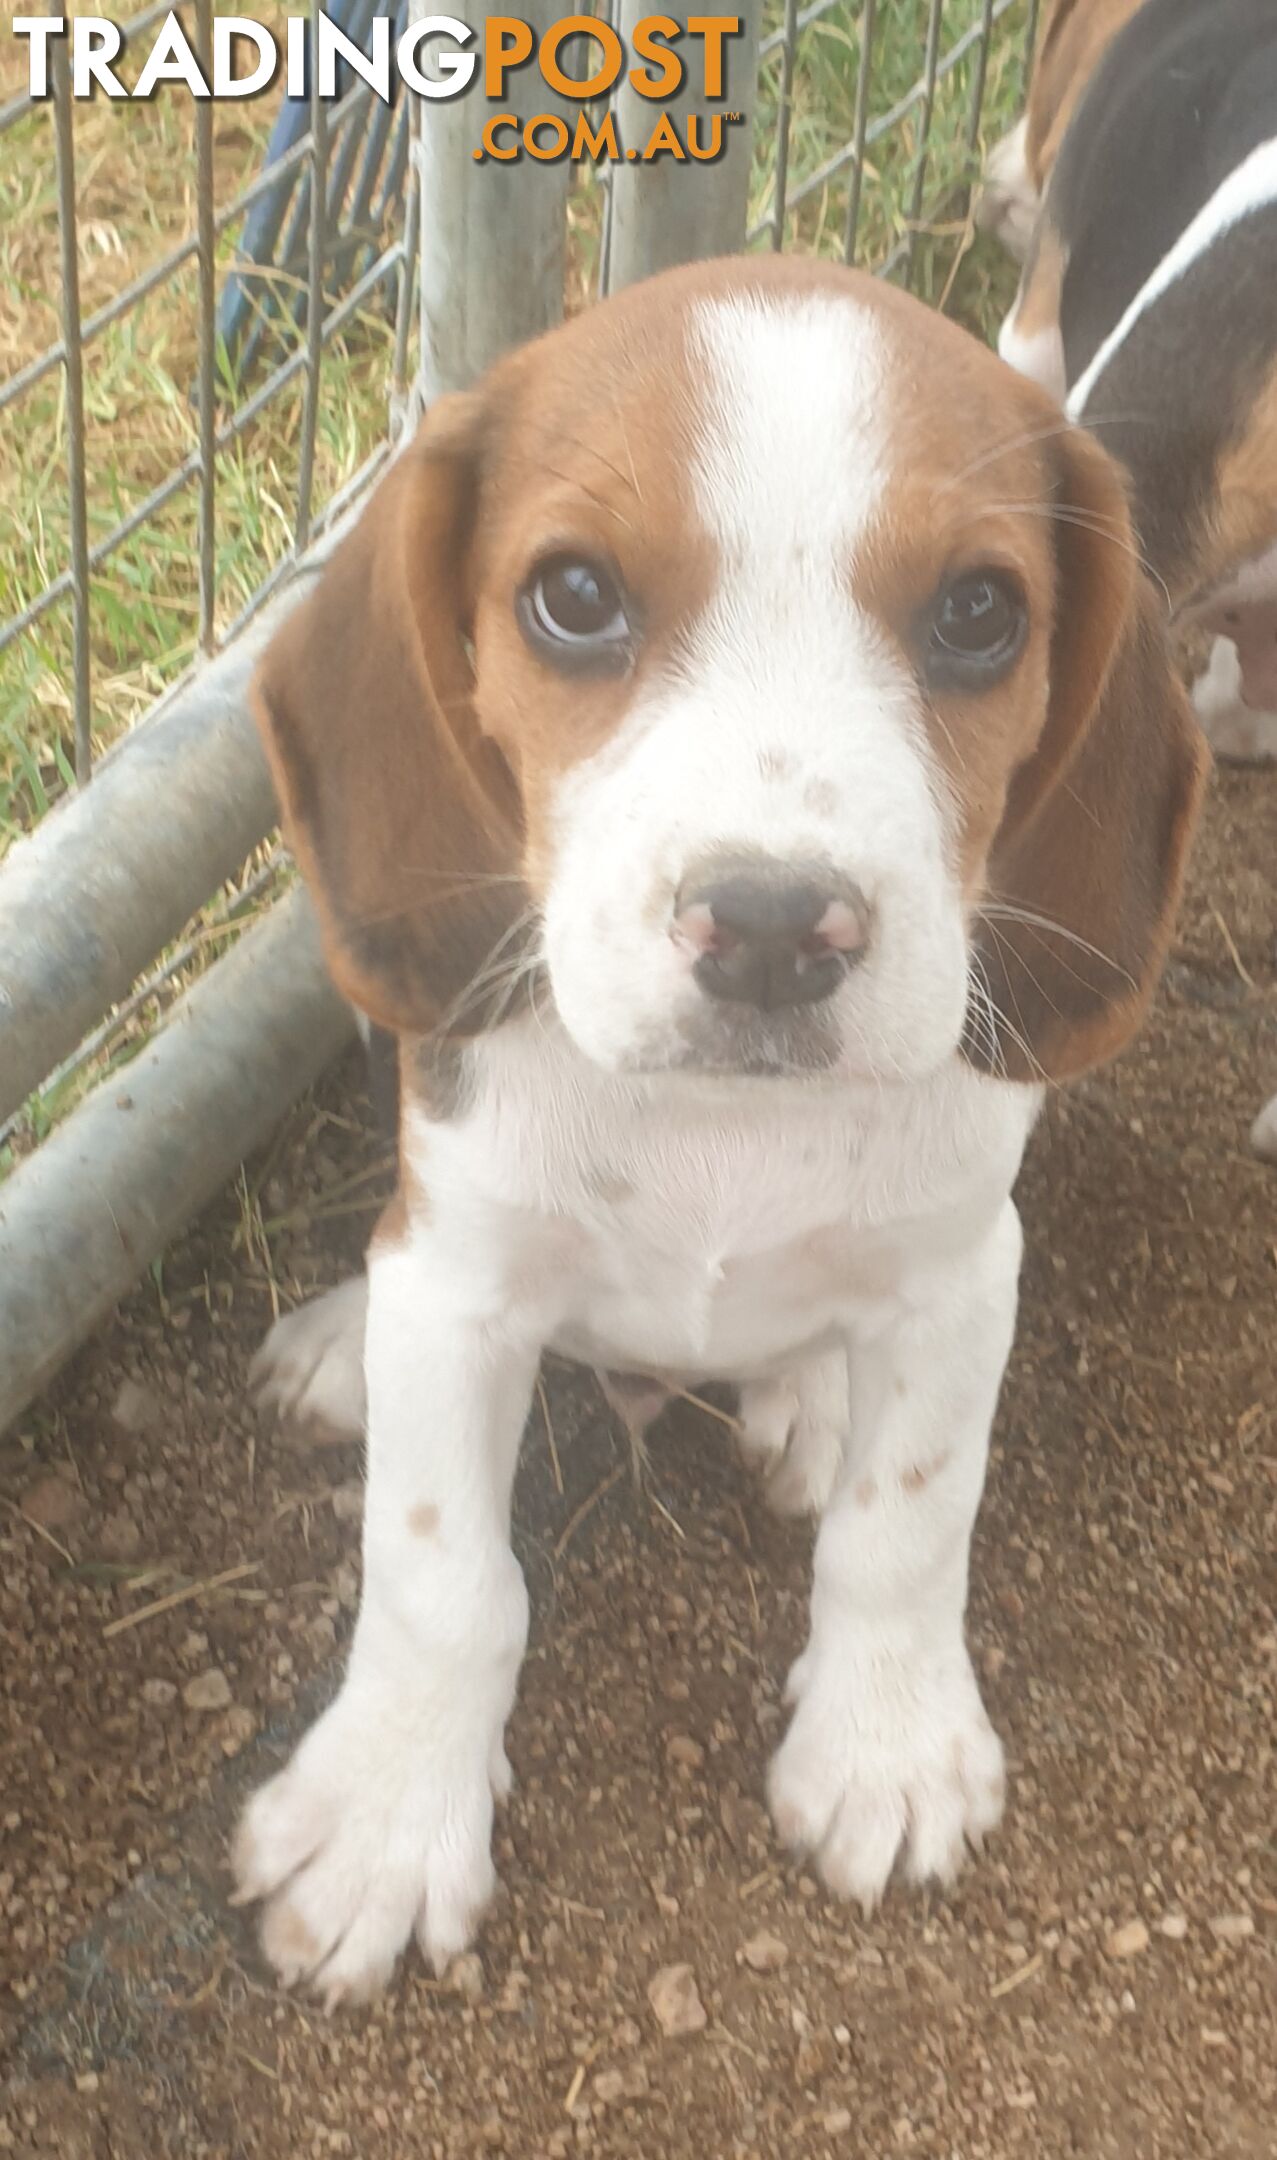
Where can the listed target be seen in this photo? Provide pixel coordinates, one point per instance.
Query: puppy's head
(762, 673)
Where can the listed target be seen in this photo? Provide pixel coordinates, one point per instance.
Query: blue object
(363, 197)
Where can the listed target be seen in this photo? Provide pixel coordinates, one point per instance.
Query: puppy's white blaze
(783, 682)
(789, 462)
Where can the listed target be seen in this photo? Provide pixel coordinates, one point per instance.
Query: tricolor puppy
(736, 758)
(1149, 302)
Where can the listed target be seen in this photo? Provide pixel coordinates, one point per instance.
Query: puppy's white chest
(716, 1260)
(708, 1227)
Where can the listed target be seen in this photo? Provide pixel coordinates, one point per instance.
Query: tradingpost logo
(580, 59)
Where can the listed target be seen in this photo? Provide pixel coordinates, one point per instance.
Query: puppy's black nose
(770, 937)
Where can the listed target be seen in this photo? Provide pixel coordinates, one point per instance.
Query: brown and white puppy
(735, 755)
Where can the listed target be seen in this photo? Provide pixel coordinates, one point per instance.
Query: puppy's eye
(974, 631)
(573, 613)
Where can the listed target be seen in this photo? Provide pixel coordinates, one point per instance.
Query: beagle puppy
(1148, 303)
(736, 758)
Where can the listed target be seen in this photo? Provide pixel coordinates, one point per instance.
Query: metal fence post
(493, 235)
(669, 211)
(82, 1217)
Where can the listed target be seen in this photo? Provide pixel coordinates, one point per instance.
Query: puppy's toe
(309, 1371)
(1263, 1133)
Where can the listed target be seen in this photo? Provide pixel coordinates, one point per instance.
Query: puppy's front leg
(890, 1746)
(381, 1824)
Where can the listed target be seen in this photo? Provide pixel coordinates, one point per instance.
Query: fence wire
(294, 316)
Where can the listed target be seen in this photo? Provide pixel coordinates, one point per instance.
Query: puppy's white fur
(1233, 728)
(760, 1230)
(1008, 203)
(1263, 1133)
(843, 1243)
(310, 1370)
(787, 687)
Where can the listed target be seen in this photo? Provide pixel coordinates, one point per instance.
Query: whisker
(629, 454)
(1006, 911)
(1058, 958)
(1030, 436)
(555, 436)
(573, 480)
(489, 972)
(984, 1014)
(1088, 521)
(1019, 1035)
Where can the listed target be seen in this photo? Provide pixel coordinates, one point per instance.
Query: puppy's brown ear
(403, 816)
(1085, 871)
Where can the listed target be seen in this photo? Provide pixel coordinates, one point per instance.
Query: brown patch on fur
(865, 1493)
(440, 1078)
(392, 1224)
(917, 1479)
(1075, 779)
(403, 816)
(291, 1939)
(423, 1519)
(1242, 520)
(821, 797)
(1074, 38)
(1037, 305)
(607, 1186)
(413, 1195)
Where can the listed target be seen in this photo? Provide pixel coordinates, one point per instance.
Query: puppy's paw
(1007, 205)
(369, 1836)
(1238, 733)
(1263, 1133)
(794, 1428)
(882, 1761)
(309, 1371)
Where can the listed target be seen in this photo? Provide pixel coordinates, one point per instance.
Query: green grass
(823, 120)
(135, 169)
(136, 198)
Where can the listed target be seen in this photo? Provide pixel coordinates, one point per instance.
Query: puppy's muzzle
(769, 935)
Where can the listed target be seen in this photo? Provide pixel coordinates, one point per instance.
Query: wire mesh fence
(216, 399)
(216, 321)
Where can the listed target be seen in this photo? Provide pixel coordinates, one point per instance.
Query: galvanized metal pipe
(84, 1215)
(493, 235)
(115, 871)
(668, 211)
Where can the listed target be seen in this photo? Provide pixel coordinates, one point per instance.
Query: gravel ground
(1102, 1982)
